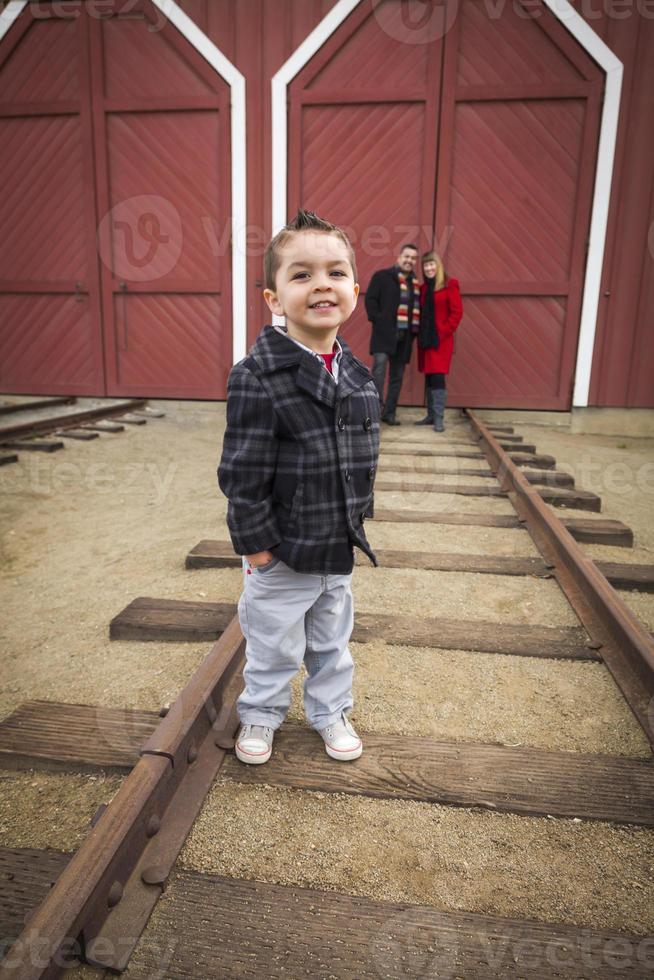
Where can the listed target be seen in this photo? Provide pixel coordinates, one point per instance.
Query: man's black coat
(299, 455)
(382, 301)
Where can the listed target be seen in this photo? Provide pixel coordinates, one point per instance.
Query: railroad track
(97, 903)
(25, 426)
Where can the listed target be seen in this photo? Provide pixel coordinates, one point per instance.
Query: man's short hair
(303, 221)
(408, 245)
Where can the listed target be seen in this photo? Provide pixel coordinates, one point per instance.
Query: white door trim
(230, 74)
(598, 51)
(613, 67)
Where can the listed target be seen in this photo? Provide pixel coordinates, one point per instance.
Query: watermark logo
(101, 10)
(406, 946)
(140, 239)
(41, 477)
(415, 21)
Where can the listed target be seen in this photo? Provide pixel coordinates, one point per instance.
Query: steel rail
(624, 644)
(102, 900)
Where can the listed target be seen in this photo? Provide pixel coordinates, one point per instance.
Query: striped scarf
(403, 308)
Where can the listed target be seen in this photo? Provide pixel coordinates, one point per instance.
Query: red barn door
(50, 324)
(115, 255)
(517, 158)
(161, 118)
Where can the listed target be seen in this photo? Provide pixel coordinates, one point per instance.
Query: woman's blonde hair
(440, 268)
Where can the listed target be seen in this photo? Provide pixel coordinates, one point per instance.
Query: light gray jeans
(288, 617)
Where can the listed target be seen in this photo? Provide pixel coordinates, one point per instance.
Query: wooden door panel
(509, 352)
(363, 126)
(50, 329)
(514, 183)
(164, 197)
(162, 341)
(516, 159)
(45, 345)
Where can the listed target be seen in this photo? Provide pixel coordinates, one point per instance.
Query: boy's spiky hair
(303, 221)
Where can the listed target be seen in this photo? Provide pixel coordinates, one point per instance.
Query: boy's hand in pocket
(261, 558)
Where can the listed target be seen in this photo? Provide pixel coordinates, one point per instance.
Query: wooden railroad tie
(537, 460)
(132, 419)
(83, 738)
(7, 458)
(56, 401)
(104, 425)
(83, 434)
(177, 620)
(33, 445)
(548, 477)
(557, 496)
(622, 575)
(591, 530)
(206, 928)
(512, 444)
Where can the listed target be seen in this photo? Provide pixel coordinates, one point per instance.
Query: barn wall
(623, 363)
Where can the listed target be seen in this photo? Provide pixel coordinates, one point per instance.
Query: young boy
(298, 467)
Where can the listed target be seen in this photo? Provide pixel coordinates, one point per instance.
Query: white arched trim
(236, 81)
(596, 48)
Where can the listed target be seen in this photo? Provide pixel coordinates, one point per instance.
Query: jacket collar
(273, 351)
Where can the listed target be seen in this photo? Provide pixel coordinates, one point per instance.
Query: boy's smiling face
(314, 288)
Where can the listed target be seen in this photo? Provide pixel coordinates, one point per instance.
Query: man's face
(407, 259)
(315, 287)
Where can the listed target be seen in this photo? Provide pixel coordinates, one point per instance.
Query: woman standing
(440, 314)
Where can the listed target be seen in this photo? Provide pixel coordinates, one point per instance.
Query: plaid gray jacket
(299, 456)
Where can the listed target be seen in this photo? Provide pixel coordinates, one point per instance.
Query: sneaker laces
(341, 726)
(255, 731)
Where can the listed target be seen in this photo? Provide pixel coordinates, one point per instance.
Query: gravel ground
(430, 464)
(64, 803)
(463, 595)
(642, 604)
(438, 479)
(441, 503)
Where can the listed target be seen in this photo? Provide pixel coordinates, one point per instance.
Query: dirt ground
(90, 528)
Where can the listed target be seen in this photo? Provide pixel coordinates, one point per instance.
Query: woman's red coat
(448, 310)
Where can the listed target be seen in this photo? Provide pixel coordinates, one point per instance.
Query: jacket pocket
(296, 505)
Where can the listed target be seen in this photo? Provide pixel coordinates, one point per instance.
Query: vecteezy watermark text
(98, 10)
(141, 239)
(41, 477)
(427, 21)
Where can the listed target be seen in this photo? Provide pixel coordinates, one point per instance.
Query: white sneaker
(254, 744)
(341, 741)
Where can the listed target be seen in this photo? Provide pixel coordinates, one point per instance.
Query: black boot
(440, 397)
(428, 419)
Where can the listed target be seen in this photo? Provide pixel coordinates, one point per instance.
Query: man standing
(393, 308)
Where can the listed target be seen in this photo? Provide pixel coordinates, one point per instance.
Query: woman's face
(429, 269)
